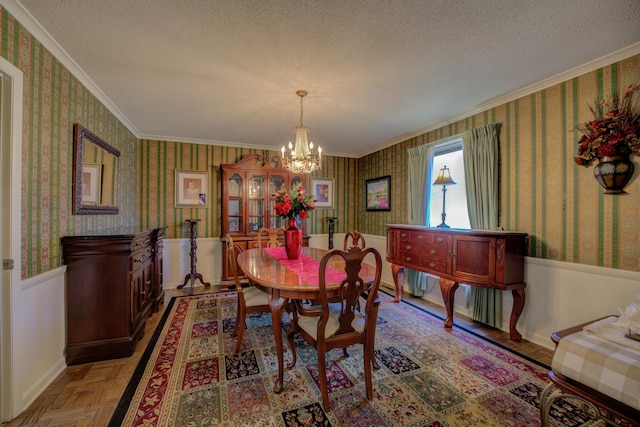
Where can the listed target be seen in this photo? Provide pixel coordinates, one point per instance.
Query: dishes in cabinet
(234, 188)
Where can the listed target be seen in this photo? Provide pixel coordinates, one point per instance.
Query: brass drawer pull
(408, 259)
(403, 235)
(432, 251)
(432, 265)
(420, 237)
(439, 239)
(408, 247)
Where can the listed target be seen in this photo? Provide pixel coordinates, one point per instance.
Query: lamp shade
(444, 177)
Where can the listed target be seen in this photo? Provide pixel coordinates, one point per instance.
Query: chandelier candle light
(444, 179)
(301, 157)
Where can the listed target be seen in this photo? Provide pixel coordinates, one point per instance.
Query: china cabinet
(247, 205)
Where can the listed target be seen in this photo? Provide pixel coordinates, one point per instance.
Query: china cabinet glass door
(256, 200)
(276, 183)
(234, 213)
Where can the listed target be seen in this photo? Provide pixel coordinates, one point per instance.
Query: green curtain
(419, 189)
(481, 167)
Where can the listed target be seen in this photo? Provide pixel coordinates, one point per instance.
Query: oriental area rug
(428, 376)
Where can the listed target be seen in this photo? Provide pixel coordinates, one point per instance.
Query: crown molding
(27, 20)
(232, 144)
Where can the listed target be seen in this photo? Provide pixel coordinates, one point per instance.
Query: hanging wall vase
(613, 173)
(293, 239)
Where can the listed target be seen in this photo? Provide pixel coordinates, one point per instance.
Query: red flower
(293, 204)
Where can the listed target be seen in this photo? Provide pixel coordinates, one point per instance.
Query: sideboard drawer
(434, 251)
(409, 247)
(410, 257)
(439, 265)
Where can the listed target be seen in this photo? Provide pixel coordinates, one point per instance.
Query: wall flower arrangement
(614, 130)
(611, 138)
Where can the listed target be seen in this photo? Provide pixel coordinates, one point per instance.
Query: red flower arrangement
(615, 130)
(294, 204)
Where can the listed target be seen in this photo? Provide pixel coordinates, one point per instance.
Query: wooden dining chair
(250, 298)
(272, 234)
(357, 239)
(339, 323)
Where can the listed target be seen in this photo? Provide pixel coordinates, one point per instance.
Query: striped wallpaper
(543, 193)
(160, 159)
(53, 101)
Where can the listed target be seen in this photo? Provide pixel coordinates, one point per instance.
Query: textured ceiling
(376, 70)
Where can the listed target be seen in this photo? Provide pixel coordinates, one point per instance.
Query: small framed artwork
(378, 194)
(91, 183)
(192, 189)
(322, 189)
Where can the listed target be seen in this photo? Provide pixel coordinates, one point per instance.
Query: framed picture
(91, 183)
(378, 194)
(192, 189)
(322, 189)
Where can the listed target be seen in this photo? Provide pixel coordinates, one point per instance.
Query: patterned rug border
(125, 401)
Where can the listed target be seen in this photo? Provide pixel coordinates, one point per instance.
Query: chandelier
(301, 158)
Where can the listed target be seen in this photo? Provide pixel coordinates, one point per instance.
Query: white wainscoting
(39, 335)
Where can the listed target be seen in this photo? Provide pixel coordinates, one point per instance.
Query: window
(449, 154)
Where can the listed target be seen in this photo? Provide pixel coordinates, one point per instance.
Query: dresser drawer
(140, 241)
(138, 258)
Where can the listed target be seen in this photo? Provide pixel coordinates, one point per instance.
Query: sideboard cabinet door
(474, 258)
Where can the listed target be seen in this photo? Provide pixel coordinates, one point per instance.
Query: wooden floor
(86, 395)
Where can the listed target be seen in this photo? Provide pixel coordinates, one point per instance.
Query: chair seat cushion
(310, 323)
(600, 364)
(254, 297)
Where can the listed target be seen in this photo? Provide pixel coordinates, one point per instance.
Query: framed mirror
(95, 174)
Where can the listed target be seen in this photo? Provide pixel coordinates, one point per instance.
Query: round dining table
(270, 270)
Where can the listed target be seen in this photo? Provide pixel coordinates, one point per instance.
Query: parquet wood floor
(86, 395)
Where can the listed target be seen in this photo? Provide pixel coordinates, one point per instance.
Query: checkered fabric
(602, 365)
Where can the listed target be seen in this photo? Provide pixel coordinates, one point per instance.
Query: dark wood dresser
(113, 283)
(489, 259)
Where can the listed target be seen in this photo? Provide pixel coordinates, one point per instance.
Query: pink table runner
(307, 268)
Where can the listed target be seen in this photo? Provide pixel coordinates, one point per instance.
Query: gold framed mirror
(95, 174)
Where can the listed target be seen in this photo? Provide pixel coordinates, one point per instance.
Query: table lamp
(444, 179)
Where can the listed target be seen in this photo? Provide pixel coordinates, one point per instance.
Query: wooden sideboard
(113, 283)
(488, 259)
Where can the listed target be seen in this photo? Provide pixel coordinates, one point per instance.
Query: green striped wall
(53, 101)
(160, 159)
(543, 192)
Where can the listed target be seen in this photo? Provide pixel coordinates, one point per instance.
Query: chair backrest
(272, 234)
(356, 240)
(351, 288)
(232, 253)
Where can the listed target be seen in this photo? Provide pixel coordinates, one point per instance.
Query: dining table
(284, 280)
